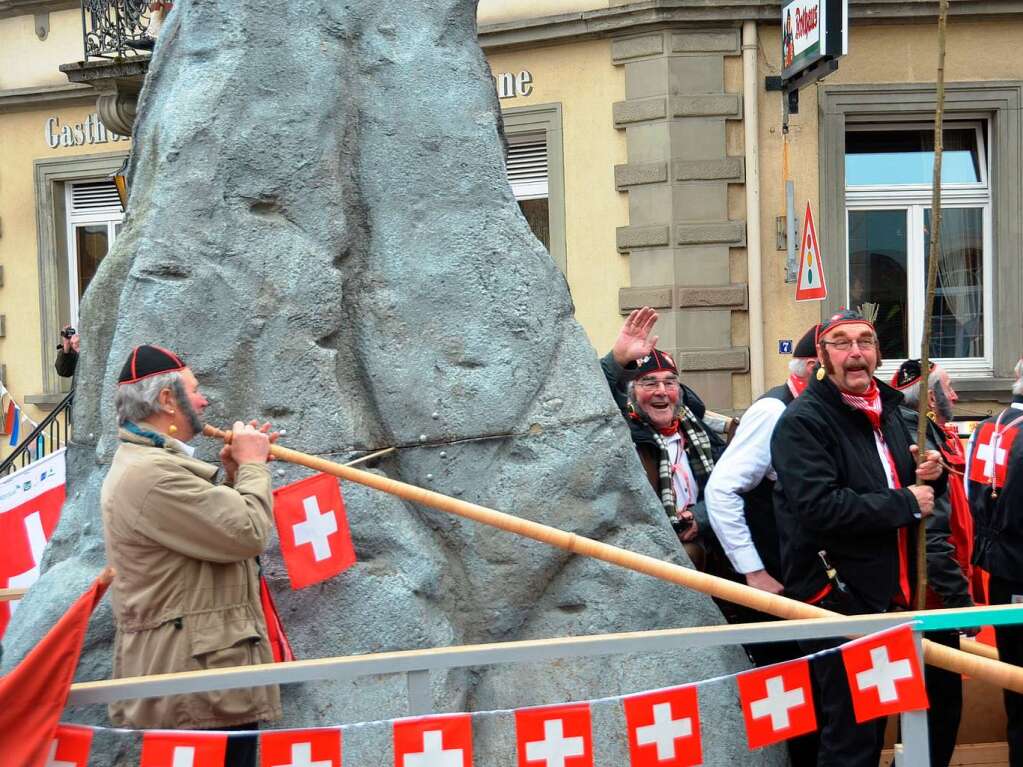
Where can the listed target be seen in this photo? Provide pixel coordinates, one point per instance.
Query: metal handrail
(418, 664)
(56, 441)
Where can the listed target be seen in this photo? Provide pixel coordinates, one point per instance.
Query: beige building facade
(647, 154)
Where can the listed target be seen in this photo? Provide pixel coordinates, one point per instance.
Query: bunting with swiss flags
(884, 674)
(777, 702)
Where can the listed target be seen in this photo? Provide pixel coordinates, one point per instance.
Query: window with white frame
(93, 220)
(527, 174)
(888, 185)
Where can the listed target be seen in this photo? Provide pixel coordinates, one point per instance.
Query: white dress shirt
(745, 463)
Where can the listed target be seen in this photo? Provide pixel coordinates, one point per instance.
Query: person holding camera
(665, 417)
(67, 352)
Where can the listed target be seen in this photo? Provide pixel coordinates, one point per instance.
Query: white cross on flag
(70, 747)
(884, 674)
(554, 736)
(319, 747)
(313, 530)
(991, 454)
(664, 728)
(162, 748)
(777, 702)
(433, 741)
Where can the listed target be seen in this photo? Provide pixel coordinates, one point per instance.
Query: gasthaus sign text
(812, 30)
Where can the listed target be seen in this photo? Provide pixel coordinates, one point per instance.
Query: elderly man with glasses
(847, 503)
(665, 417)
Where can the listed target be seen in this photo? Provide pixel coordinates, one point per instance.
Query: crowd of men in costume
(816, 496)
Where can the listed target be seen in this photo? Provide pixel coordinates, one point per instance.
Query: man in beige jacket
(187, 590)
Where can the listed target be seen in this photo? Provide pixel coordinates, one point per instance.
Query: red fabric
(777, 702)
(670, 429)
(869, 402)
(33, 694)
(884, 674)
(905, 590)
(447, 735)
(206, 749)
(562, 729)
(991, 450)
(320, 746)
(18, 556)
(8, 418)
(797, 385)
(313, 530)
(664, 728)
(70, 746)
(279, 644)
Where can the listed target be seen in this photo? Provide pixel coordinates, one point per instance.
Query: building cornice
(10, 8)
(647, 14)
(20, 99)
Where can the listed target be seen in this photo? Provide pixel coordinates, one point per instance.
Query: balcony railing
(116, 29)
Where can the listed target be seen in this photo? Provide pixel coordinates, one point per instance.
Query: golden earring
(820, 374)
(172, 429)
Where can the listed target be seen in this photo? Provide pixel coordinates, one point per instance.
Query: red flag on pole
(313, 530)
(33, 694)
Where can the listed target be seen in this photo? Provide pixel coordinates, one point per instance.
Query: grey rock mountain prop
(320, 224)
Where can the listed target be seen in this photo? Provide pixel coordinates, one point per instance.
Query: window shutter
(95, 197)
(527, 166)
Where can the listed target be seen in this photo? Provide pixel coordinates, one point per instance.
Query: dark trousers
(241, 749)
(843, 742)
(1010, 649)
(945, 693)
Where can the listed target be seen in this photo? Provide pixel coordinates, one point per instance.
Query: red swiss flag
(320, 747)
(991, 454)
(884, 674)
(554, 736)
(433, 740)
(161, 748)
(70, 747)
(664, 728)
(777, 702)
(313, 530)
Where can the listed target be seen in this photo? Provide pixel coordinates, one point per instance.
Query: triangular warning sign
(810, 286)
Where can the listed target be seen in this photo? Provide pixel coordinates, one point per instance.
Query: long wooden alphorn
(993, 671)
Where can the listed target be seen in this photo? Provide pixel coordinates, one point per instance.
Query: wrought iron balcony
(116, 29)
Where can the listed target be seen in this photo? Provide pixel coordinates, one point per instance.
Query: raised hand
(634, 340)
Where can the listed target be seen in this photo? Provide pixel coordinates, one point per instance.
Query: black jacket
(998, 521)
(832, 494)
(66, 363)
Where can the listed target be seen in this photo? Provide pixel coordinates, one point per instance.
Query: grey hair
(137, 401)
(911, 394)
(1017, 388)
(798, 366)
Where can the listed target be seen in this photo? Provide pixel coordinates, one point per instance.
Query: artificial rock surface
(320, 224)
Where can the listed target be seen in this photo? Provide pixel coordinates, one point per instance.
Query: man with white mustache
(847, 505)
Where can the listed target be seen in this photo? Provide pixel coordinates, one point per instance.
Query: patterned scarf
(869, 403)
(698, 450)
(796, 385)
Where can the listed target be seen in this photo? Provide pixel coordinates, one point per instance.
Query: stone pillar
(679, 235)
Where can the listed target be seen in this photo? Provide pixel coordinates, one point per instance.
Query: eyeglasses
(652, 384)
(864, 344)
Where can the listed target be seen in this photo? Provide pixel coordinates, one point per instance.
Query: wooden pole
(9, 595)
(934, 251)
(1001, 674)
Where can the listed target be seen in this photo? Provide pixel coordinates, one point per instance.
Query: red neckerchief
(869, 403)
(796, 384)
(671, 429)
